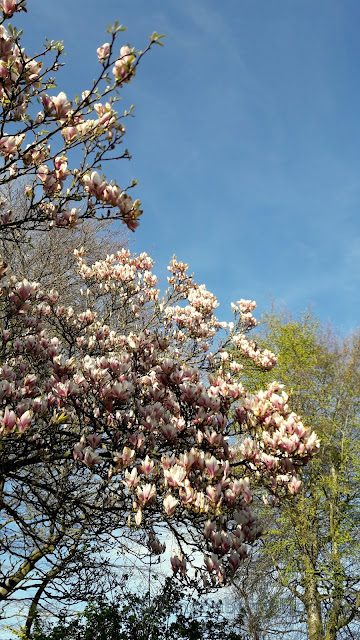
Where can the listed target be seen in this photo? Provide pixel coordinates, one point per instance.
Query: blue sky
(246, 140)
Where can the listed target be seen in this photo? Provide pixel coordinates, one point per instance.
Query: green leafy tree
(313, 539)
(171, 614)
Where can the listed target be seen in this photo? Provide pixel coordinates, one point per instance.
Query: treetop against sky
(246, 122)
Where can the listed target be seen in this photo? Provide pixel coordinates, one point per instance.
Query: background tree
(266, 608)
(171, 614)
(49, 257)
(60, 540)
(313, 540)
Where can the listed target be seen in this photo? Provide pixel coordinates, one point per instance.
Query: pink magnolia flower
(24, 289)
(169, 431)
(214, 492)
(186, 494)
(25, 420)
(175, 475)
(94, 440)
(148, 466)
(9, 7)
(209, 528)
(212, 467)
(131, 479)
(78, 452)
(121, 391)
(178, 563)
(146, 493)
(90, 457)
(167, 461)
(9, 419)
(61, 105)
(294, 486)
(212, 562)
(9, 145)
(103, 52)
(312, 443)
(125, 458)
(123, 69)
(234, 561)
(94, 185)
(170, 503)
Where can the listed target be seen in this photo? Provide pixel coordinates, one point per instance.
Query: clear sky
(246, 140)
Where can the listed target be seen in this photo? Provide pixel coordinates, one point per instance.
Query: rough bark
(312, 603)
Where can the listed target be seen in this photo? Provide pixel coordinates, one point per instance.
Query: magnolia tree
(140, 390)
(153, 405)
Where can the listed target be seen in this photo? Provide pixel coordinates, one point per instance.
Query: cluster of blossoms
(112, 196)
(106, 121)
(243, 316)
(132, 272)
(137, 383)
(124, 68)
(249, 348)
(27, 143)
(18, 72)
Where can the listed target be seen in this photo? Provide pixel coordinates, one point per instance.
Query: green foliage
(313, 539)
(157, 39)
(169, 615)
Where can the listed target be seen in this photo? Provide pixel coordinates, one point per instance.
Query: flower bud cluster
(111, 195)
(18, 72)
(124, 68)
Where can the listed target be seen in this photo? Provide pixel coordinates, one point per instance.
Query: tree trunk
(337, 570)
(312, 603)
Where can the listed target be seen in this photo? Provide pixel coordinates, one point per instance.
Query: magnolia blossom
(90, 458)
(146, 493)
(178, 563)
(109, 193)
(9, 145)
(175, 475)
(9, 7)
(170, 503)
(103, 52)
(58, 105)
(172, 421)
(124, 69)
